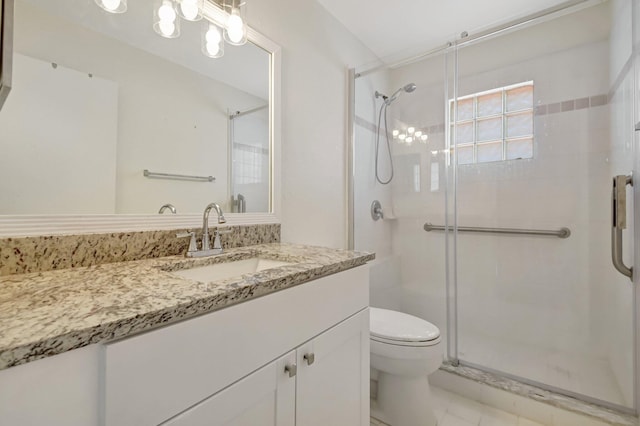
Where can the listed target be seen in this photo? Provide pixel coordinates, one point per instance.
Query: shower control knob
(376, 210)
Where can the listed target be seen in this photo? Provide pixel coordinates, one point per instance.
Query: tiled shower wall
(370, 235)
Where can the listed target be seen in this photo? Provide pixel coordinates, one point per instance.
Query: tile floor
(455, 410)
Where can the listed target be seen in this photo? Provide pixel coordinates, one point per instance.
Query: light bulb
(166, 13)
(235, 27)
(212, 44)
(410, 130)
(111, 5)
(402, 136)
(424, 138)
(234, 23)
(235, 35)
(395, 133)
(213, 35)
(409, 140)
(418, 134)
(213, 48)
(167, 28)
(189, 9)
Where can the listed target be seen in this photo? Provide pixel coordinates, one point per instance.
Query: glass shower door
(541, 120)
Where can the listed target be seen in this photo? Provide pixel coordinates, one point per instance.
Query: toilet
(404, 351)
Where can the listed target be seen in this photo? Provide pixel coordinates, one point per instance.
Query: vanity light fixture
(212, 43)
(165, 19)
(231, 27)
(189, 10)
(235, 31)
(112, 6)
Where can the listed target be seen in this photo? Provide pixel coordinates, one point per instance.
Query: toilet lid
(401, 327)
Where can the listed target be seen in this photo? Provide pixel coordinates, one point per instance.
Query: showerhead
(406, 88)
(409, 87)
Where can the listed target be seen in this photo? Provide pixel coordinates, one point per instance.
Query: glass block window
(249, 163)
(496, 125)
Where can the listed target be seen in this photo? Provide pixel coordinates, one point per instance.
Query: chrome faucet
(171, 207)
(205, 223)
(205, 246)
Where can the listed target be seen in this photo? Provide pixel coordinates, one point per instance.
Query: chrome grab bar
(619, 222)
(156, 175)
(560, 233)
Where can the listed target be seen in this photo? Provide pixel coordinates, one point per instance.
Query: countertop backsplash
(47, 253)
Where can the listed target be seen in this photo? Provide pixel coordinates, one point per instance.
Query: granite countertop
(48, 313)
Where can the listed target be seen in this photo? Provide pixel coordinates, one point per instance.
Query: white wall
(170, 119)
(316, 53)
(65, 156)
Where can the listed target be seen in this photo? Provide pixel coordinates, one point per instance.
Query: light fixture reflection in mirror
(113, 6)
(165, 19)
(212, 44)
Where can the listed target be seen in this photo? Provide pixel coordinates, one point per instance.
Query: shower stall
(496, 224)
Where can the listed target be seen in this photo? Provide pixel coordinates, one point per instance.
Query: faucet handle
(217, 244)
(193, 247)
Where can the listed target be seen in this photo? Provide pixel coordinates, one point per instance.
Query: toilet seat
(398, 328)
(403, 343)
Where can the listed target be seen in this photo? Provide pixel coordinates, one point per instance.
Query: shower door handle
(619, 221)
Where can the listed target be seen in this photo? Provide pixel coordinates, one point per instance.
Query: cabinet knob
(292, 369)
(310, 358)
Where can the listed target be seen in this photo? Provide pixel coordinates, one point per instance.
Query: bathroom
(534, 329)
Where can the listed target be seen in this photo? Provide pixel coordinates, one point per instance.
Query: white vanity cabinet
(320, 383)
(264, 398)
(232, 366)
(331, 369)
(228, 367)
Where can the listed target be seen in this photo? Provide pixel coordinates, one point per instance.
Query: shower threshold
(609, 415)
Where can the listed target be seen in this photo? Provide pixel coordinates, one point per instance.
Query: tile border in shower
(541, 396)
(567, 105)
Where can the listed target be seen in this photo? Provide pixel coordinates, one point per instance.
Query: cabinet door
(60, 390)
(333, 375)
(264, 398)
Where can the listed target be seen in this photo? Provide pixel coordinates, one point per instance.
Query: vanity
(137, 343)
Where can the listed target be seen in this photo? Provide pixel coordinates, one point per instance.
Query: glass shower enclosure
(497, 226)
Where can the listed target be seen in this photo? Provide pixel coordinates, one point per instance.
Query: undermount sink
(220, 271)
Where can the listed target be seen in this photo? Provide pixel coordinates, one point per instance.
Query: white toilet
(405, 350)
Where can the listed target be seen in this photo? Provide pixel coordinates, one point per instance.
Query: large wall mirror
(106, 117)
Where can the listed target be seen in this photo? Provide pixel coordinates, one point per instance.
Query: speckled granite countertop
(47, 313)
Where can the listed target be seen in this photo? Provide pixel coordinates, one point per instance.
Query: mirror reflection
(100, 98)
